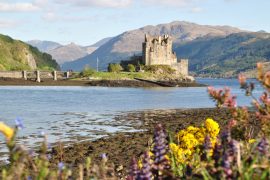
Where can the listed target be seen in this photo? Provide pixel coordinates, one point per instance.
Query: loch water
(78, 113)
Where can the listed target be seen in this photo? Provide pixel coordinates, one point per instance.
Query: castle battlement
(158, 51)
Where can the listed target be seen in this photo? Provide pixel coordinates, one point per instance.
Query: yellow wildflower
(6, 130)
(200, 135)
(193, 130)
(212, 127)
(188, 141)
(181, 155)
(251, 141)
(192, 138)
(140, 165)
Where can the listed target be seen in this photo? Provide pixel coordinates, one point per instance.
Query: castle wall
(181, 67)
(158, 51)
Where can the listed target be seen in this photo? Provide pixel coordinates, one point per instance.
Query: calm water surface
(66, 113)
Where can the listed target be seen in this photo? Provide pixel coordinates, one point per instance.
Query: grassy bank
(122, 75)
(127, 76)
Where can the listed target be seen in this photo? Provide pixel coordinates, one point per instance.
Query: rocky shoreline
(103, 83)
(121, 147)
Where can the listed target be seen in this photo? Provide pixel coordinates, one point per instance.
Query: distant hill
(17, 55)
(66, 53)
(130, 42)
(101, 42)
(226, 56)
(44, 46)
(69, 52)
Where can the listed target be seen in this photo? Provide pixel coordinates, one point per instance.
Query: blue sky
(87, 21)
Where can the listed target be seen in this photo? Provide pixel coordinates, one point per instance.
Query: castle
(158, 51)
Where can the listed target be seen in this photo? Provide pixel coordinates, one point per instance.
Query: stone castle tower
(158, 51)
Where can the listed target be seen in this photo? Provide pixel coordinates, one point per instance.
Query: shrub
(131, 68)
(159, 69)
(114, 67)
(24, 165)
(199, 153)
(87, 71)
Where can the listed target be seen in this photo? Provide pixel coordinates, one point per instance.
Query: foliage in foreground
(195, 152)
(221, 157)
(28, 165)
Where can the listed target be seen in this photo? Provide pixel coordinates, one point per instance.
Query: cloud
(17, 7)
(196, 10)
(49, 16)
(7, 23)
(99, 3)
(41, 3)
(178, 3)
(54, 17)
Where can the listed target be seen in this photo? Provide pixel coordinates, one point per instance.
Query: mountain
(130, 42)
(44, 46)
(101, 42)
(226, 56)
(17, 55)
(66, 53)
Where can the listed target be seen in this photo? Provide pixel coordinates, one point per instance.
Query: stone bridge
(37, 75)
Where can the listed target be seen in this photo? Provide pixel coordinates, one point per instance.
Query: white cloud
(54, 17)
(99, 3)
(196, 10)
(179, 3)
(7, 23)
(17, 7)
(49, 16)
(41, 3)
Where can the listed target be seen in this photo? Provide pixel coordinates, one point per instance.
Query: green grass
(13, 56)
(122, 75)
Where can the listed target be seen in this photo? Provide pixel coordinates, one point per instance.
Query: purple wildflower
(160, 148)
(263, 146)
(134, 171)
(207, 143)
(19, 123)
(61, 166)
(49, 156)
(226, 164)
(103, 156)
(226, 136)
(146, 173)
(232, 150)
(207, 148)
(234, 147)
(217, 153)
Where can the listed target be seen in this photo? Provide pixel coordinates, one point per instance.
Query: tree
(87, 71)
(114, 67)
(131, 68)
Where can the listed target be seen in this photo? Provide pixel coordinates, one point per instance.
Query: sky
(84, 22)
